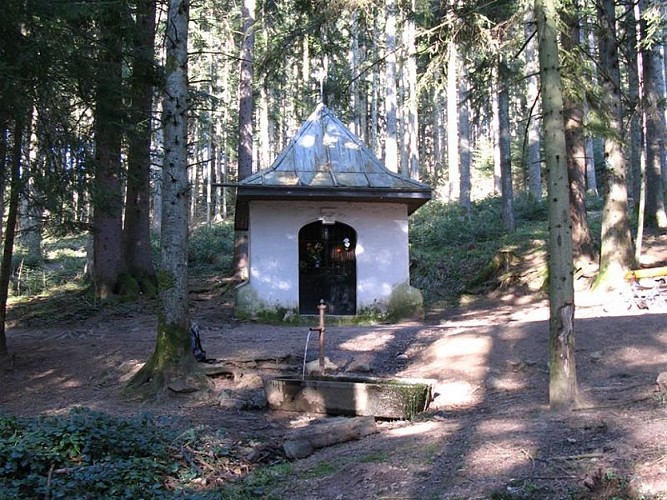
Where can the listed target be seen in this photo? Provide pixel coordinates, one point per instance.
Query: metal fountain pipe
(321, 329)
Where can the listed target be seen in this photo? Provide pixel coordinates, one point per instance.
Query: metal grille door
(327, 268)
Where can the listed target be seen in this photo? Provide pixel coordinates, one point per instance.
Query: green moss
(165, 280)
(148, 287)
(128, 288)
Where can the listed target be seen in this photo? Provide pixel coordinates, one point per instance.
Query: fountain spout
(321, 329)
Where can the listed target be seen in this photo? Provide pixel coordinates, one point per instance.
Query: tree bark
(654, 90)
(465, 149)
(10, 231)
(532, 93)
(375, 79)
(504, 146)
(246, 107)
(107, 196)
(412, 125)
(495, 132)
(172, 365)
(591, 176)
(636, 152)
(136, 230)
(246, 104)
(391, 136)
(616, 251)
(582, 241)
(637, 126)
(562, 376)
(453, 164)
(30, 213)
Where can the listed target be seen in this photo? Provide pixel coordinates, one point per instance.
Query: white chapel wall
(381, 253)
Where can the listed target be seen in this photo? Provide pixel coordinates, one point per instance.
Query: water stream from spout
(305, 355)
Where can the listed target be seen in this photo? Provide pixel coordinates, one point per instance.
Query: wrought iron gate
(327, 268)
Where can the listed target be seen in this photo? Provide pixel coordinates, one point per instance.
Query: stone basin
(349, 395)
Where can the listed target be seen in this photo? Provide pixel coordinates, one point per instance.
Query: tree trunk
(563, 376)
(453, 165)
(245, 126)
(30, 216)
(302, 442)
(637, 126)
(391, 137)
(495, 133)
(532, 94)
(375, 79)
(172, 365)
(465, 150)
(654, 89)
(635, 119)
(136, 231)
(246, 104)
(504, 146)
(412, 124)
(107, 212)
(591, 176)
(10, 231)
(616, 251)
(355, 100)
(4, 146)
(582, 242)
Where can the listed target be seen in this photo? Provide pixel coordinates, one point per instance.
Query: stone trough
(349, 395)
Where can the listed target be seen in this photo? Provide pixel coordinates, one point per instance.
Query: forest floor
(488, 433)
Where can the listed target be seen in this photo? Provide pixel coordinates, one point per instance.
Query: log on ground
(302, 442)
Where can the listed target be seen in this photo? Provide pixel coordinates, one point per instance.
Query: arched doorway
(327, 268)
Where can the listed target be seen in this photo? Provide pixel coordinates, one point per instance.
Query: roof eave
(412, 198)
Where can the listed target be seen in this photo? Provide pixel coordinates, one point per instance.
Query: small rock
(232, 404)
(359, 367)
(402, 356)
(228, 402)
(257, 400)
(314, 366)
(181, 387)
(297, 449)
(662, 382)
(494, 383)
(595, 356)
(254, 455)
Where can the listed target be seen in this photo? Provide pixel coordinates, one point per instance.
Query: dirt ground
(487, 434)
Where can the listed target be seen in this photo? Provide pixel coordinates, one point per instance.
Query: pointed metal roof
(325, 161)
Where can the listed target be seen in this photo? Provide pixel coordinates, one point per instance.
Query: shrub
(211, 248)
(86, 454)
(449, 246)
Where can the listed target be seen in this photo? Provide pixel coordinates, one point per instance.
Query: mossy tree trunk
(563, 375)
(172, 365)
